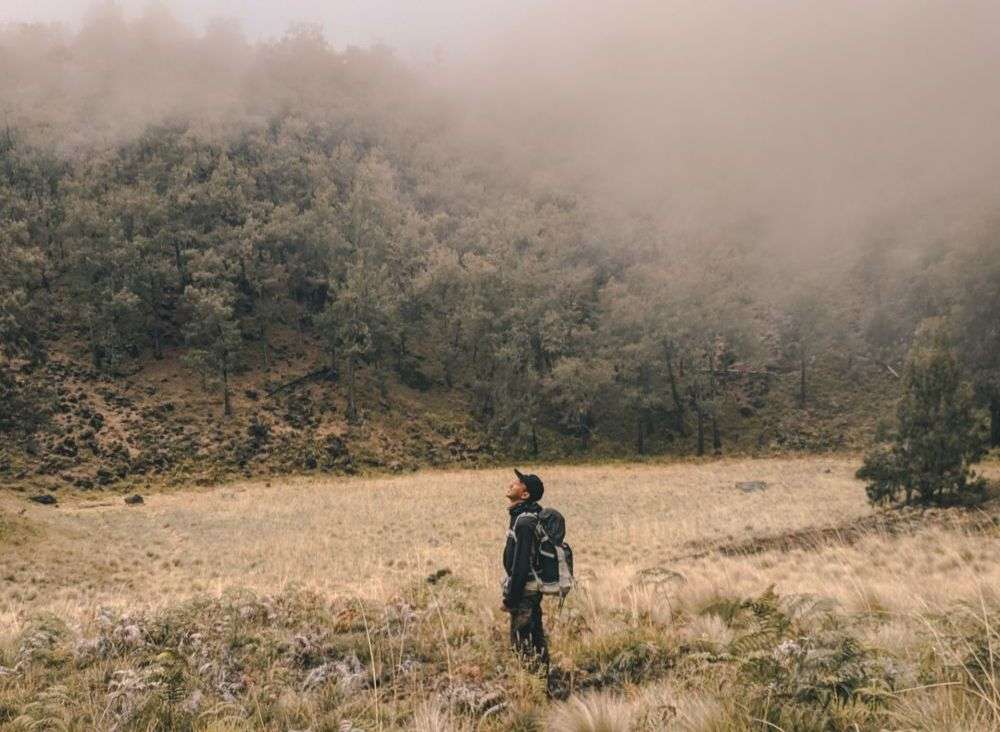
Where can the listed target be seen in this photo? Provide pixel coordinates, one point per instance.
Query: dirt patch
(983, 519)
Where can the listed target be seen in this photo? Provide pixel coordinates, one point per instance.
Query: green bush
(632, 656)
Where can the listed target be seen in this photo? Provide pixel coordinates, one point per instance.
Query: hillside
(160, 425)
(171, 263)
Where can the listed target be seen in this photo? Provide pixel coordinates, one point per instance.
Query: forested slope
(302, 262)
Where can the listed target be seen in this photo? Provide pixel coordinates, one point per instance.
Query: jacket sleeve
(524, 533)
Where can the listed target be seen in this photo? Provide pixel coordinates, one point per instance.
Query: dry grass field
(305, 604)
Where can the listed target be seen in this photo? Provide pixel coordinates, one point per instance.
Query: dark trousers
(527, 636)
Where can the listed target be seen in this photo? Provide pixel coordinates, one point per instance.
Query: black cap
(533, 483)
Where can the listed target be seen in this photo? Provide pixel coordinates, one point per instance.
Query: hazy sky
(414, 27)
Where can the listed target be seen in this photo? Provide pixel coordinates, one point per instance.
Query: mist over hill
(674, 227)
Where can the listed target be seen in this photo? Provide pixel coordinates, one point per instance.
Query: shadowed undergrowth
(432, 659)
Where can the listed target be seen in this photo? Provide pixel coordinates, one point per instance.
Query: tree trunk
(451, 358)
(584, 430)
(45, 280)
(352, 407)
(675, 395)
(157, 345)
(62, 250)
(802, 379)
(179, 263)
(716, 437)
(995, 422)
(227, 408)
(265, 343)
(640, 435)
(401, 353)
(383, 381)
(701, 430)
(534, 440)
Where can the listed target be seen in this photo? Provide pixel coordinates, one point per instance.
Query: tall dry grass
(369, 536)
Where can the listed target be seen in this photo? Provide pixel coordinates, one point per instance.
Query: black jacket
(519, 551)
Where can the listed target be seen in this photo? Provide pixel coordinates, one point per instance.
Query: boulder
(45, 499)
(752, 486)
(134, 500)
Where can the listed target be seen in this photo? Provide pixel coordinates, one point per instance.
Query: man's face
(517, 491)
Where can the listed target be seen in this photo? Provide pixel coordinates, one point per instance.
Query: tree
(937, 437)
(115, 328)
(440, 294)
(20, 326)
(574, 387)
(356, 324)
(631, 331)
(705, 396)
(213, 334)
(977, 327)
(712, 379)
(512, 393)
(803, 331)
(670, 356)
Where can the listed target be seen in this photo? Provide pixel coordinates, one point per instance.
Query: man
(521, 597)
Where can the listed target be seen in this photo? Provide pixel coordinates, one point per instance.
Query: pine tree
(937, 438)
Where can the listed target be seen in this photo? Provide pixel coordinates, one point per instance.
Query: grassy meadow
(373, 604)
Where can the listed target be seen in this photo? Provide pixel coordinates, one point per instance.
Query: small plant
(627, 657)
(937, 436)
(43, 641)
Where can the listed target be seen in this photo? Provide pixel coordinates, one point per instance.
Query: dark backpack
(552, 565)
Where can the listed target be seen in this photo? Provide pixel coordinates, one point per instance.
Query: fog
(807, 124)
(416, 29)
(814, 120)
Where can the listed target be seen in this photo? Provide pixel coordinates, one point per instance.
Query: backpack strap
(511, 532)
(540, 530)
(535, 583)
